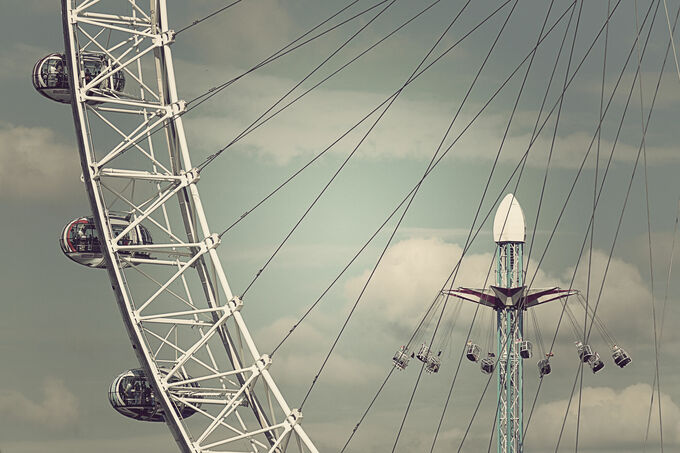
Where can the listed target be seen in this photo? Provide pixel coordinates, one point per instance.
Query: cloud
(260, 27)
(35, 164)
(609, 419)
(127, 443)
(305, 350)
(412, 129)
(20, 58)
(58, 408)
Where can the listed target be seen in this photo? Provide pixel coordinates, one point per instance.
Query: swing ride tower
(510, 299)
(509, 235)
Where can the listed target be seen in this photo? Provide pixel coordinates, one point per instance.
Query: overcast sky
(61, 337)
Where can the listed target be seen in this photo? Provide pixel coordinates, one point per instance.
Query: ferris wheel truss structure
(182, 318)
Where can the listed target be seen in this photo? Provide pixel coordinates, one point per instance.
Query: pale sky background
(61, 337)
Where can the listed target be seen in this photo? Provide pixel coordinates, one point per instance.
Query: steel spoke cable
(388, 99)
(484, 107)
(479, 71)
(320, 154)
(449, 278)
(488, 102)
(213, 91)
(583, 161)
(493, 425)
(663, 314)
(554, 135)
(285, 50)
(566, 412)
(265, 117)
(356, 148)
(403, 215)
(202, 19)
(368, 115)
(601, 185)
(417, 75)
(611, 252)
(315, 379)
(214, 156)
(217, 154)
(420, 374)
(592, 229)
(671, 31)
(456, 267)
(625, 202)
(505, 134)
(657, 376)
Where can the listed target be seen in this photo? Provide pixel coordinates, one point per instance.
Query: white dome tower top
(509, 225)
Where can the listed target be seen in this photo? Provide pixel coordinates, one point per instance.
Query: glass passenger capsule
(131, 395)
(50, 76)
(80, 240)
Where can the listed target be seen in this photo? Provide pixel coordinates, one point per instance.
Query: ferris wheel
(201, 371)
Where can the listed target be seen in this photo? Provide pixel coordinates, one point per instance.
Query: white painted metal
(508, 224)
(177, 306)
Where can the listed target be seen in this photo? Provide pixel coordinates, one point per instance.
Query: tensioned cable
(627, 194)
(530, 145)
(611, 252)
(213, 91)
(491, 99)
(587, 154)
(288, 48)
(344, 163)
(441, 157)
(465, 250)
(214, 156)
(601, 188)
(415, 191)
(368, 115)
(479, 207)
(592, 229)
(465, 129)
(533, 137)
(213, 14)
(604, 178)
(675, 53)
(264, 118)
(517, 100)
(554, 136)
(657, 376)
(663, 314)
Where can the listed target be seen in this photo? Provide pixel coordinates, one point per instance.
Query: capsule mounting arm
(499, 298)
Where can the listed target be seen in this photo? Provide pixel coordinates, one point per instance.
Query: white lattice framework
(182, 318)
